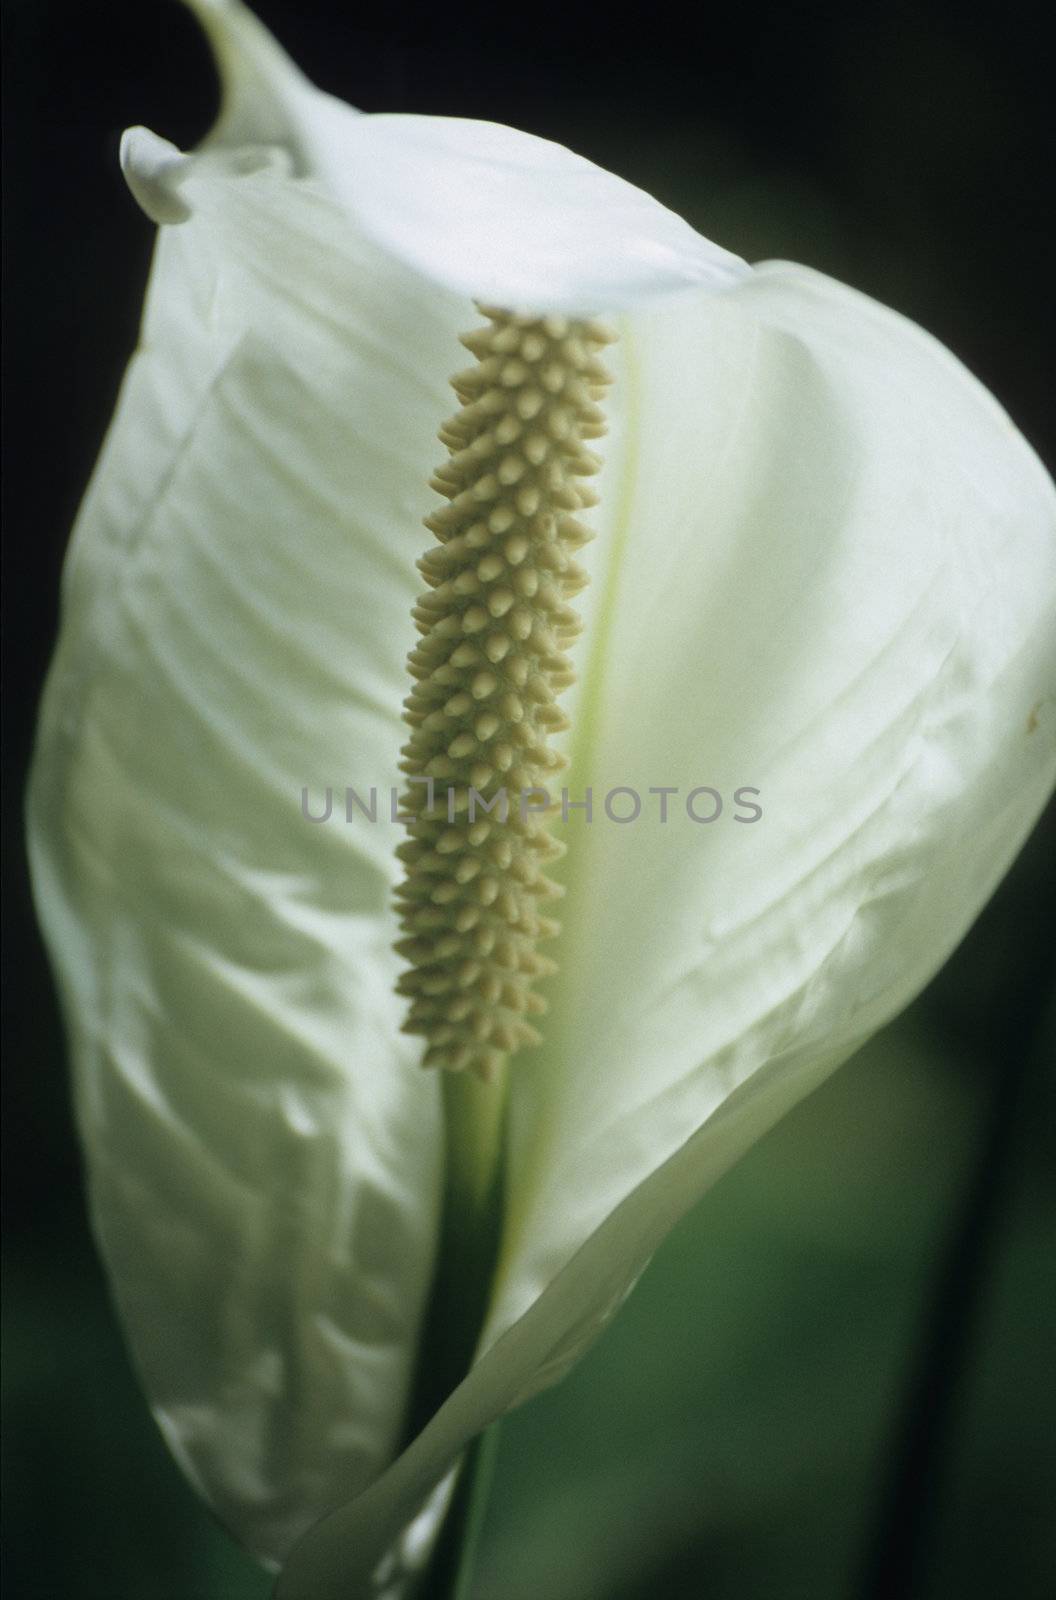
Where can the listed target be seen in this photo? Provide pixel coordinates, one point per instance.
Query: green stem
(470, 1230)
(452, 1568)
(474, 1118)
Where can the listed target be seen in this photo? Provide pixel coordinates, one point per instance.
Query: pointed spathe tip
(262, 90)
(154, 168)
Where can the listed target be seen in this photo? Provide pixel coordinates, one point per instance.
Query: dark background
(836, 1379)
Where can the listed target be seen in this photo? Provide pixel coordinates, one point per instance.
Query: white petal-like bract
(482, 209)
(264, 1152)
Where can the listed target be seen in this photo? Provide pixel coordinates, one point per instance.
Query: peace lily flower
(822, 573)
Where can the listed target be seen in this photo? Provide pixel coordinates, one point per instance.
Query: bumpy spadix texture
(492, 661)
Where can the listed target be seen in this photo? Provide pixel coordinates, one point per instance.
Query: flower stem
(474, 1118)
(470, 1228)
(454, 1560)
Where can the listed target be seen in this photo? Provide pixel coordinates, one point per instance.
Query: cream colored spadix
(493, 658)
(824, 568)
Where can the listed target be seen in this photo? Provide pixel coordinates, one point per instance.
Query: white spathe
(826, 569)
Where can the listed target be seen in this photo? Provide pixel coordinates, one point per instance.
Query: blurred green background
(837, 1377)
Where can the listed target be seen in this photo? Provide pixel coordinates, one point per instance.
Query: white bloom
(825, 569)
